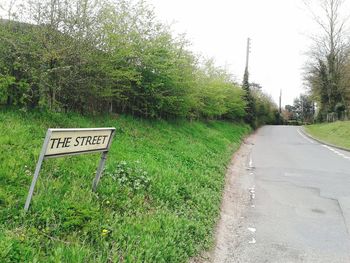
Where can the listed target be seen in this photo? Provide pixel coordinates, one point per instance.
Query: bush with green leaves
(131, 175)
(118, 59)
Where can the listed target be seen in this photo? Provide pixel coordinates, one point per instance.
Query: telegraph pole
(250, 108)
(280, 104)
(246, 71)
(247, 56)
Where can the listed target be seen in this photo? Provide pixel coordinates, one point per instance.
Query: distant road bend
(293, 201)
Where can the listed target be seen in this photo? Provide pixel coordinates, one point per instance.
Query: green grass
(337, 133)
(158, 200)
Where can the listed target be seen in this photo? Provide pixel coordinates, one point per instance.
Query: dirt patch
(235, 201)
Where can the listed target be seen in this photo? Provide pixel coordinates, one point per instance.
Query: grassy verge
(157, 202)
(337, 133)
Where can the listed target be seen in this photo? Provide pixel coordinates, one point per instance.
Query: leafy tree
(303, 108)
(328, 57)
(266, 111)
(251, 104)
(95, 56)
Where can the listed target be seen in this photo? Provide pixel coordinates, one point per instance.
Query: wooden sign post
(63, 142)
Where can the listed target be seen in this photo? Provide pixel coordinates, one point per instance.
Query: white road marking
(253, 241)
(306, 138)
(292, 175)
(252, 229)
(252, 192)
(336, 152)
(326, 146)
(250, 162)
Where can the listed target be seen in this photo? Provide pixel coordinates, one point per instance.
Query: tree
(325, 73)
(266, 111)
(96, 56)
(250, 116)
(302, 109)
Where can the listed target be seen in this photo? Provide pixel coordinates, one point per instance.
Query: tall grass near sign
(158, 201)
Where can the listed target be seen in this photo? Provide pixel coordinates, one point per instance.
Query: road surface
(294, 201)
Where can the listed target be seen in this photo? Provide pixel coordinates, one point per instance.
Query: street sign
(63, 142)
(77, 141)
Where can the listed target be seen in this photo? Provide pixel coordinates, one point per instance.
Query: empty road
(294, 201)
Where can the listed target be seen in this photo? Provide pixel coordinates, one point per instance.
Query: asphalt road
(299, 208)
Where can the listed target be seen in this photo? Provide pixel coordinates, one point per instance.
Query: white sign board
(77, 141)
(62, 142)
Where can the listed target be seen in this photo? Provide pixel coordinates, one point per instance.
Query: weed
(157, 201)
(131, 176)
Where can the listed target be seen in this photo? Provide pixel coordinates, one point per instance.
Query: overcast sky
(219, 28)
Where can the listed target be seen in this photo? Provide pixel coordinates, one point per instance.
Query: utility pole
(248, 97)
(246, 71)
(280, 102)
(247, 56)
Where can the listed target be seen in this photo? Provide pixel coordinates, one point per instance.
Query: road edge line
(302, 129)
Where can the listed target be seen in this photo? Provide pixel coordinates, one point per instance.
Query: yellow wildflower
(105, 232)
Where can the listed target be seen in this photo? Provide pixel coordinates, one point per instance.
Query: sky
(279, 31)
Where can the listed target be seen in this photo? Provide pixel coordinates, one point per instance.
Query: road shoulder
(235, 202)
(303, 130)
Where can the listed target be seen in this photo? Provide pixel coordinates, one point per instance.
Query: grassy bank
(337, 133)
(157, 202)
